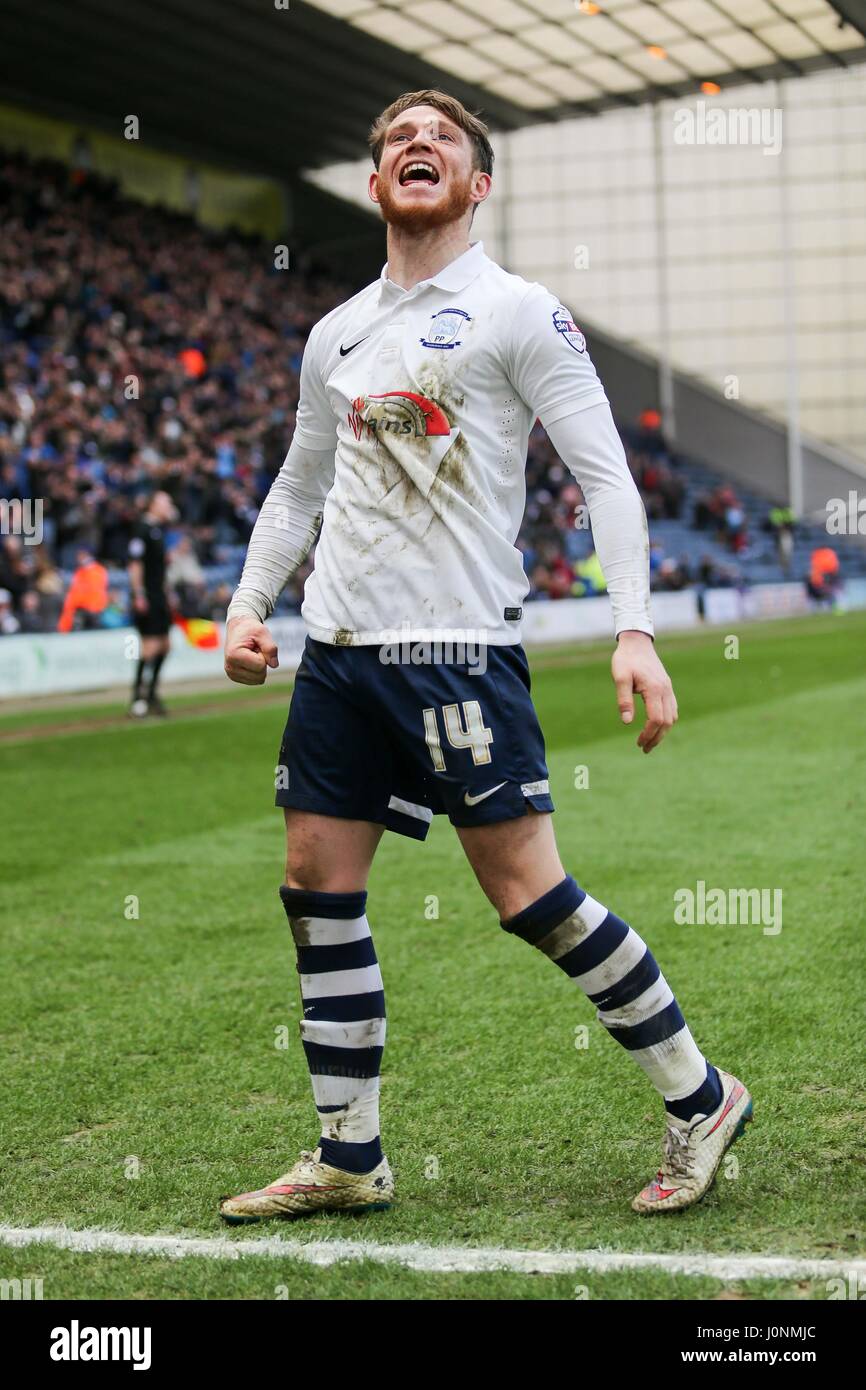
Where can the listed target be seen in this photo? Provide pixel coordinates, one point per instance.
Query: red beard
(423, 217)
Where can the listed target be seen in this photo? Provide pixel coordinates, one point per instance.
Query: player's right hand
(250, 650)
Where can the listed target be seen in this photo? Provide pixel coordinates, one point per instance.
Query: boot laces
(307, 1160)
(678, 1156)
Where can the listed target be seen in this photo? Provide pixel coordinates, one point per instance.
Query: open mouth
(419, 172)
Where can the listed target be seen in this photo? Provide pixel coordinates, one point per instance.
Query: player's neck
(415, 256)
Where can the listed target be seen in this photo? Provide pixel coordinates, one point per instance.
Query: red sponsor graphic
(397, 412)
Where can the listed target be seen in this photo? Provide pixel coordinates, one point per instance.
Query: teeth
(425, 168)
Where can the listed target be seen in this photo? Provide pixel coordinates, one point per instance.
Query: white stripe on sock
(368, 1032)
(676, 1067)
(615, 968)
(646, 1006)
(576, 929)
(332, 931)
(356, 1125)
(364, 980)
(343, 1090)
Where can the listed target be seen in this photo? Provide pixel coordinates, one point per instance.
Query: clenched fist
(250, 650)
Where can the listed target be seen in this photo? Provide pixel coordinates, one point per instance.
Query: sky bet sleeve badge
(444, 327)
(564, 324)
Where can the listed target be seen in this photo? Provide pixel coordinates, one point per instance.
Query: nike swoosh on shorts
(474, 800)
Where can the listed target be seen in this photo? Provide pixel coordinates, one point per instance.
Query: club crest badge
(564, 324)
(445, 326)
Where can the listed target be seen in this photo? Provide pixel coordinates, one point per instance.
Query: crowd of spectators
(137, 350)
(721, 512)
(556, 539)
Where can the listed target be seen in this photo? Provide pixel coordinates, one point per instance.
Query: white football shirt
(428, 396)
(424, 399)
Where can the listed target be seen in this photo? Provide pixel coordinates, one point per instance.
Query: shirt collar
(453, 277)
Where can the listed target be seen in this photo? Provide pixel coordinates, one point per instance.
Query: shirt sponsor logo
(444, 328)
(397, 412)
(564, 324)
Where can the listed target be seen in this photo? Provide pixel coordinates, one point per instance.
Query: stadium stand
(138, 349)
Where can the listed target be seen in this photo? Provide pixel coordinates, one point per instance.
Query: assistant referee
(150, 607)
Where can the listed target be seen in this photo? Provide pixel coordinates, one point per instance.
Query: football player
(413, 695)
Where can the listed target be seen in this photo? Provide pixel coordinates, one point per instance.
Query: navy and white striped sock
(618, 973)
(343, 1027)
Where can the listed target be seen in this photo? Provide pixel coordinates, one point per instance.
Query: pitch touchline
(433, 1259)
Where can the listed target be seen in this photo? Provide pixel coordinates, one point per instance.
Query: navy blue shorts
(399, 743)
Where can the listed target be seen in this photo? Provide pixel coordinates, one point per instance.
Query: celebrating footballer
(416, 402)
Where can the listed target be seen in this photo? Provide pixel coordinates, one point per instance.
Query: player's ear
(481, 186)
(373, 187)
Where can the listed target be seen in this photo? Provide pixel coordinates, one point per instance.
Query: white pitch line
(432, 1259)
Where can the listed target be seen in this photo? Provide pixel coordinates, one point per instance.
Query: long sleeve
(287, 525)
(590, 447)
(548, 362)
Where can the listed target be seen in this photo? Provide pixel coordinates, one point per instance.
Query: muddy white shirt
(412, 428)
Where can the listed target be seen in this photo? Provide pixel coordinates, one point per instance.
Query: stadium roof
(551, 56)
(276, 90)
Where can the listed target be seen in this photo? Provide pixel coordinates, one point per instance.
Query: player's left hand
(635, 667)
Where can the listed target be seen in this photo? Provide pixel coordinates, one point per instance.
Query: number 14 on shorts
(464, 728)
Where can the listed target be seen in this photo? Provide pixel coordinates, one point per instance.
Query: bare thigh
(515, 861)
(326, 854)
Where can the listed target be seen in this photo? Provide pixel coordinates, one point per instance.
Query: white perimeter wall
(77, 661)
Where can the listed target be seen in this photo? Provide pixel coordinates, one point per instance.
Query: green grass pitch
(143, 1071)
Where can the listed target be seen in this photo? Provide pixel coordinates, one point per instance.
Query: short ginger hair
(450, 107)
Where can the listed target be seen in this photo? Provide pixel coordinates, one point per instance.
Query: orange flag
(199, 632)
